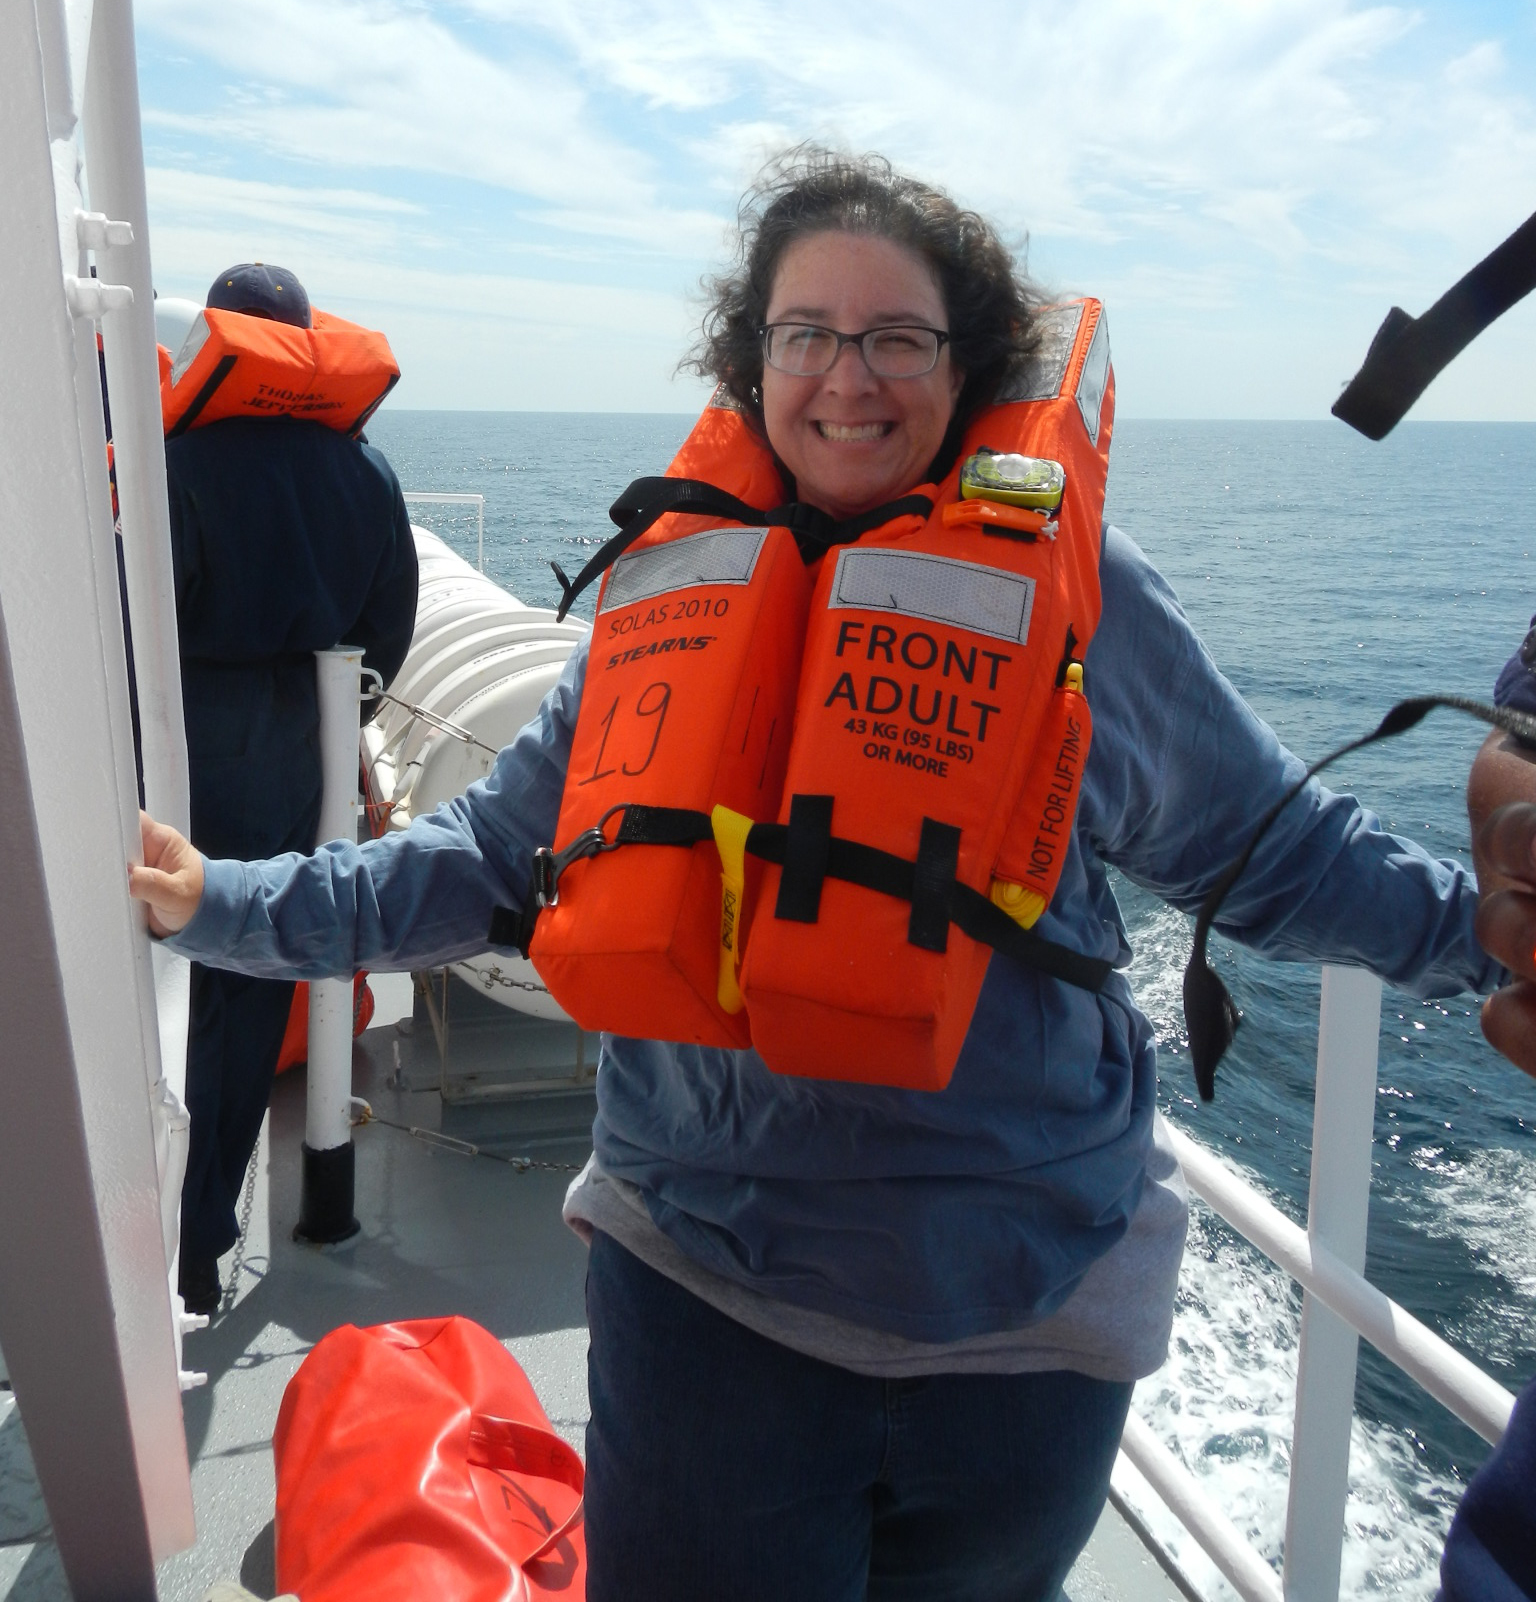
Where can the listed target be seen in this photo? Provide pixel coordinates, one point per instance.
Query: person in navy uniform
(287, 538)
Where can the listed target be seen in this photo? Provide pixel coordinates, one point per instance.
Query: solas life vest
(235, 365)
(821, 772)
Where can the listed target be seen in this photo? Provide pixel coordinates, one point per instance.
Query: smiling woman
(883, 1226)
(851, 436)
(859, 247)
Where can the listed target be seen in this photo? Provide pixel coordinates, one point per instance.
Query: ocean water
(1329, 577)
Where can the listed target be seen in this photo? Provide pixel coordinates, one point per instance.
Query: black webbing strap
(807, 850)
(648, 499)
(675, 826)
(976, 915)
(1408, 353)
(222, 369)
(360, 421)
(933, 883)
(938, 898)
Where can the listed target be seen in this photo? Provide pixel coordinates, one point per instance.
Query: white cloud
(367, 86)
(1287, 168)
(1057, 116)
(474, 340)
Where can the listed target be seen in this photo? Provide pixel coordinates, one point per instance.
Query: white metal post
(114, 153)
(85, 1308)
(325, 1212)
(120, 242)
(1344, 1109)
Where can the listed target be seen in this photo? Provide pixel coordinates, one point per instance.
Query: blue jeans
(723, 1465)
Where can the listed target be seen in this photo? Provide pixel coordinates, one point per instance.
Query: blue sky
(525, 195)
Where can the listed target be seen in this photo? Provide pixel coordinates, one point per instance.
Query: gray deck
(442, 1233)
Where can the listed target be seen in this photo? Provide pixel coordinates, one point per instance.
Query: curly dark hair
(810, 189)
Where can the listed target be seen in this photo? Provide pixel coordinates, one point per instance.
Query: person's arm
(1194, 770)
(408, 900)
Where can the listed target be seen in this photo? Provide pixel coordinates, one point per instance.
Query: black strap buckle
(549, 864)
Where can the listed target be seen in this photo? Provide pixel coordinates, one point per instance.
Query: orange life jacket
(809, 793)
(235, 365)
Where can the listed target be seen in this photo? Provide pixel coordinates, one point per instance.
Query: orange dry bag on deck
(295, 1046)
(413, 1462)
(232, 364)
(940, 727)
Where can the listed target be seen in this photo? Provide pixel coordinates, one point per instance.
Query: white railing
(423, 498)
(1339, 1305)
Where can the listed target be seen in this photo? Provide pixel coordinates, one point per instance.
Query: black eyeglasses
(905, 350)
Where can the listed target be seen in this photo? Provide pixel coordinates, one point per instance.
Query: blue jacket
(932, 1216)
(1490, 1553)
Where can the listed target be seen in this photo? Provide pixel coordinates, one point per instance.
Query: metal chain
(460, 1148)
(247, 1203)
(493, 976)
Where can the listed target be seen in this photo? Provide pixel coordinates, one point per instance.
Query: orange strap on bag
(414, 1461)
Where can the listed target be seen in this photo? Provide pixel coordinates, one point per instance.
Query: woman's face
(852, 440)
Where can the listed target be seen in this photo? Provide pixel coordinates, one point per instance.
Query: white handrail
(1338, 1216)
(1340, 1305)
(1477, 1399)
(1181, 1492)
(421, 497)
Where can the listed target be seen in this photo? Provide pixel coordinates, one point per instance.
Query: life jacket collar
(815, 532)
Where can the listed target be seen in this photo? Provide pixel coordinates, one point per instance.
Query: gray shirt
(1114, 1326)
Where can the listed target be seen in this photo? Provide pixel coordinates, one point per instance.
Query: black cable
(1210, 1015)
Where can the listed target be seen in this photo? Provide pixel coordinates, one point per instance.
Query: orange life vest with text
(817, 779)
(234, 365)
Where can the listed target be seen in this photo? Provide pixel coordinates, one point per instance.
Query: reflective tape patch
(715, 556)
(197, 337)
(1095, 379)
(1041, 376)
(966, 595)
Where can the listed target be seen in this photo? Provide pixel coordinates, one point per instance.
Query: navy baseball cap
(261, 291)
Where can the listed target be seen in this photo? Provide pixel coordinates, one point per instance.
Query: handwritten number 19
(651, 706)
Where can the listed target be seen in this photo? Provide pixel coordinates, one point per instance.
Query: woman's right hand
(171, 879)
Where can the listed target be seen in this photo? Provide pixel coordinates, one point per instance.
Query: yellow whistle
(731, 830)
(1022, 905)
